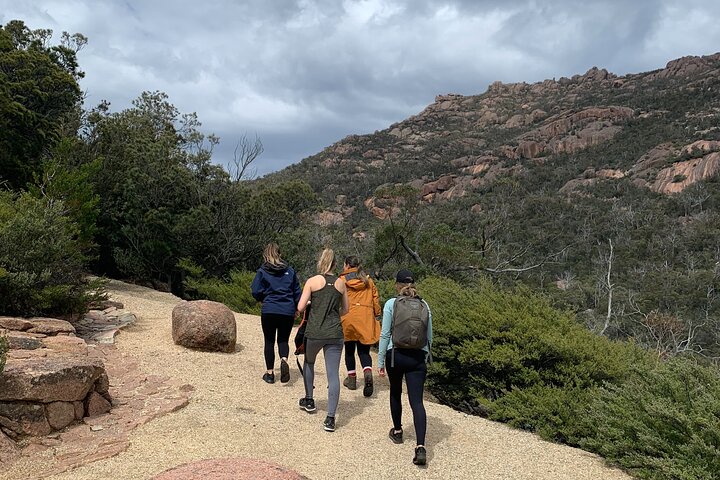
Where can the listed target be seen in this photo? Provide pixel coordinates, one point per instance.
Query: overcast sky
(303, 74)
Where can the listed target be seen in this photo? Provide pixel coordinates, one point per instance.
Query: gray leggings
(332, 350)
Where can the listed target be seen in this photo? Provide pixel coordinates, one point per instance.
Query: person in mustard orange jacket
(361, 328)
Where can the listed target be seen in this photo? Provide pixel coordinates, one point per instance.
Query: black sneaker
(396, 437)
(329, 424)
(420, 456)
(284, 371)
(368, 390)
(269, 377)
(307, 404)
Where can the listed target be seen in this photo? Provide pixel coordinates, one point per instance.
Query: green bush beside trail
(42, 264)
(661, 423)
(508, 355)
(233, 292)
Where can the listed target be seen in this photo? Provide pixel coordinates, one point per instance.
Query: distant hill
(599, 190)
(660, 129)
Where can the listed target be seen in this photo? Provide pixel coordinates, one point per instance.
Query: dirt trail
(233, 413)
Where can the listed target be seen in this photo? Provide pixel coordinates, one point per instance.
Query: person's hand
(381, 371)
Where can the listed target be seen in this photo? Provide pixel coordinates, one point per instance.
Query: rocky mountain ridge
(462, 144)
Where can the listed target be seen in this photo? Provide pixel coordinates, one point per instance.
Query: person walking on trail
(328, 297)
(360, 327)
(276, 285)
(406, 338)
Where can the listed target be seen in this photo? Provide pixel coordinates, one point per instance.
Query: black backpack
(410, 323)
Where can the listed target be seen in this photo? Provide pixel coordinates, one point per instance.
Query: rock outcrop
(204, 325)
(680, 175)
(48, 378)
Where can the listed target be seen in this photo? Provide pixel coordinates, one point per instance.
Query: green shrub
(233, 292)
(662, 423)
(386, 290)
(3, 352)
(510, 356)
(42, 265)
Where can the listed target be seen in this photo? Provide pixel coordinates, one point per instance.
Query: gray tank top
(324, 320)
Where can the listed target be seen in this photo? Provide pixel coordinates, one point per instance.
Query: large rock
(13, 323)
(50, 326)
(49, 379)
(204, 325)
(96, 405)
(680, 175)
(60, 414)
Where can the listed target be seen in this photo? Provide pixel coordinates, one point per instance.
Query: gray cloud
(304, 73)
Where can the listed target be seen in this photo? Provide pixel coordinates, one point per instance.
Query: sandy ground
(233, 413)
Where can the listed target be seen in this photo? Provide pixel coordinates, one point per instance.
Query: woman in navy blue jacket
(276, 285)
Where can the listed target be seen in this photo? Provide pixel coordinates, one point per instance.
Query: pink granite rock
(204, 325)
(96, 405)
(49, 379)
(13, 323)
(60, 414)
(50, 326)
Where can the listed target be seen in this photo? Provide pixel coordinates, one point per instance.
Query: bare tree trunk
(609, 286)
(415, 256)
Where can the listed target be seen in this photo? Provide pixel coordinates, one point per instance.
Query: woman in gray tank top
(327, 296)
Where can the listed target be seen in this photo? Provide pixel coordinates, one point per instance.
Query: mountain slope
(601, 191)
(459, 144)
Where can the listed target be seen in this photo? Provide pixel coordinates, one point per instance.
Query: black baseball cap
(404, 276)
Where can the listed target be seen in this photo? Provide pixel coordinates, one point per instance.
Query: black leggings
(282, 324)
(363, 352)
(411, 364)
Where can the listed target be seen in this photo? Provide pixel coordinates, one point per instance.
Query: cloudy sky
(302, 74)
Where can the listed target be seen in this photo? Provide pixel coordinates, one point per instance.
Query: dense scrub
(42, 264)
(510, 356)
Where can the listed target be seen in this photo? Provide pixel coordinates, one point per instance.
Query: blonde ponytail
(326, 262)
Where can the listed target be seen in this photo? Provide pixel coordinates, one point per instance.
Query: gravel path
(233, 413)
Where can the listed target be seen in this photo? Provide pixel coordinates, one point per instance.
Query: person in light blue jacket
(408, 363)
(276, 285)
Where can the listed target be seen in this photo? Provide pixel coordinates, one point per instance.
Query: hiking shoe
(308, 404)
(284, 371)
(396, 437)
(269, 377)
(368, 390)
(350, 382)
(329, 424)
(420, 456)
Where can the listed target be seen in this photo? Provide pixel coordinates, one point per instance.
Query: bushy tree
(161, 198)
(42, 265)
(39, 93)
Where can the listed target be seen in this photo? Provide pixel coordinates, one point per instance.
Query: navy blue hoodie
(278, 288)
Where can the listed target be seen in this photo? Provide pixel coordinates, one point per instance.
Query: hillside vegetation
(601, 191)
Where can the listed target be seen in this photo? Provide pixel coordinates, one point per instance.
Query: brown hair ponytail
(354, 262)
